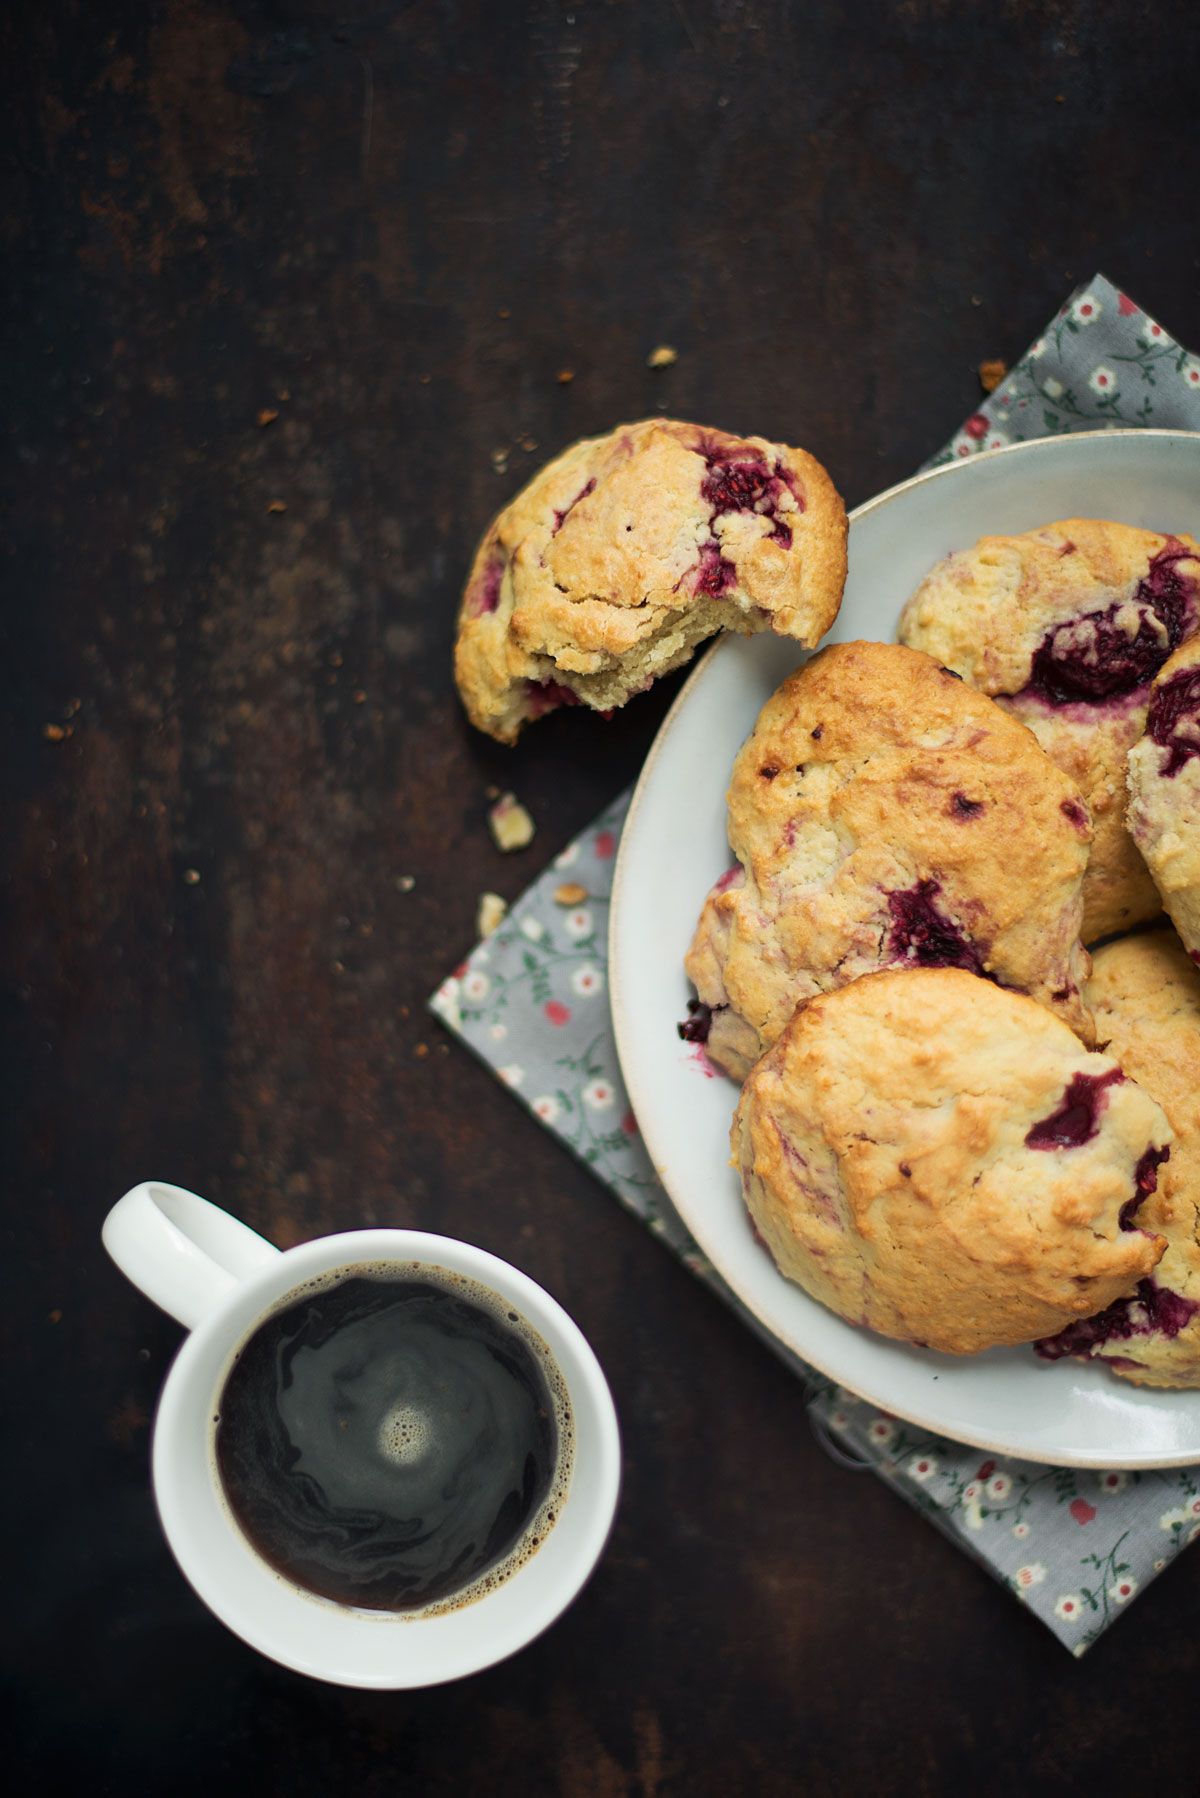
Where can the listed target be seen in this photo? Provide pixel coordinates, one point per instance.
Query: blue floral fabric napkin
(532, 1002)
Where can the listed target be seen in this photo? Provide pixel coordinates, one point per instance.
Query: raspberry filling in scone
(1164, 791)
(1146, 996)
(627, 551)
(1067, 627)
(944, 1162)
(885, 814)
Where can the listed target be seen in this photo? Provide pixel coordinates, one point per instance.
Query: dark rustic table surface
(265, 251)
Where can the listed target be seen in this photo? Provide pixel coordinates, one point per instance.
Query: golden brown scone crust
(1066, 626)
(1146, 995)
(627, 551)
(885, 813)
(1164, 792)
(884, 1145)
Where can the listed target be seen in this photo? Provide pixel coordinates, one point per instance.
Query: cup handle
(182, 1252)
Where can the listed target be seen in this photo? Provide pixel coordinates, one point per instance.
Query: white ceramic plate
(673, 848)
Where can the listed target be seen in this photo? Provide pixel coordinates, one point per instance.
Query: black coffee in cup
(394, 1437)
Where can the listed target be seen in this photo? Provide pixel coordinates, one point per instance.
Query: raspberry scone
(1164, 791)
(1146, 995)
(627, 551)
(1067, 626)
(883, 813)
(944, 1162)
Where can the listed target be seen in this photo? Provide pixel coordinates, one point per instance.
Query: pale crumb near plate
(511, 825)
(570, 893)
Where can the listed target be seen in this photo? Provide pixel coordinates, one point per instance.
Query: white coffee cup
(221, 1280)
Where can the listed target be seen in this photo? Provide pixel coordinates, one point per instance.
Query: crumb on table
(511, 825)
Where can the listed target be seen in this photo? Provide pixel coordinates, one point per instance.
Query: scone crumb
(662, 356)
(267, 417)
(491, 914)
(405, 883)
(991, 374)
(277, 505)
(511, 825)
(564, 376)
(570, 893)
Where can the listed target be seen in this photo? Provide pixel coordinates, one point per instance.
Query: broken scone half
(627, 551)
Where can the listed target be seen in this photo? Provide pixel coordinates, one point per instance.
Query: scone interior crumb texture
(1146, 995)
(884, 813)
(944, 1162)
(626, 551)
(1067, 626)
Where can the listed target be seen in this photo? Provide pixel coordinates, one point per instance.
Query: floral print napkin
(1073, 1546)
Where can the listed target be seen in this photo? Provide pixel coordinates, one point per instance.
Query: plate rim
(909, 1413)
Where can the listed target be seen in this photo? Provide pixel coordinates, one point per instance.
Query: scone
(884, 813)
(627, 551)
(942, 1161)
(1067, 627)
(1146, 996)
(1164, 791)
